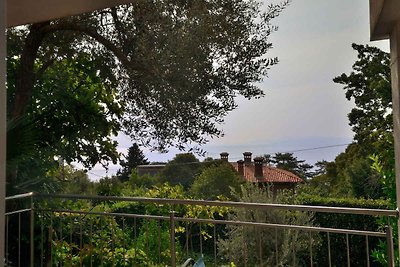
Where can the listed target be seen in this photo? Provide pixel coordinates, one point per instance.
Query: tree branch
(117, 23)
(69, 26)
(44, 67)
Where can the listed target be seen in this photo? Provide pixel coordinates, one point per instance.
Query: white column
(3, 127)
(395, 73)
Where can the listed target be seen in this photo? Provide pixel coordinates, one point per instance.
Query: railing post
(394, 36)
(390, 249)
(3, 128)
(32, 232)
(172, 236)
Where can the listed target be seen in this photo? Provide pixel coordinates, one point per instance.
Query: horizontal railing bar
(343, 210)
(285, 226)
(16, 212)
(226, 222)
(20, 196)
(109, 214)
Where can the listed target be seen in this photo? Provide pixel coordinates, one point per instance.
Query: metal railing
(49, 230)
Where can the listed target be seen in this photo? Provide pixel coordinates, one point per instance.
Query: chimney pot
(224, 156)
(247, 157)
(258, 167)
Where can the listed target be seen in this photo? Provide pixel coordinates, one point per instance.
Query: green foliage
(78, 111)
(85, 240)
(72, 114)
(183, 231)
(27, 166)
(369, 86)
(242, 243)
(388, 177)
(307, 199)
(146, 180)
(177, 66)
(73, 109)
(100, 240)
(369, 187)
(109, 187)
(216, 180)
(155, 240)
(371, 119)
(321, 167)
(21, 142)
(160, 191)
(94, 241)
(134, 158)
(73, 181)
(350, 175)
(165, 72)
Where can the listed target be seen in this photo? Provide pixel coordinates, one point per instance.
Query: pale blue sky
(302, 107)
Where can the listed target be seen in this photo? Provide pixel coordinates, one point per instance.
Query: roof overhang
(383, 16)
(20, 12)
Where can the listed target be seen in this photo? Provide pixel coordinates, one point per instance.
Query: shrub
(254, 246)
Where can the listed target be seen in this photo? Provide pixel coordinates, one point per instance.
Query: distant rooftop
(258, 171)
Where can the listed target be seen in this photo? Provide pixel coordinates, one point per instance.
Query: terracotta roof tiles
(270, 174)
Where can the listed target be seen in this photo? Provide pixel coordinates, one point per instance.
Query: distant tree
(109, 186)
(208, 159)
(349, 175)
(182, 169)
(74, 181)
(134, 158)
(289, 162)
(320, 167)
(216, 180)
(268, 159)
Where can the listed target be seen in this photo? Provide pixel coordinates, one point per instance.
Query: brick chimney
(240, 164)
(258, 167)
(247, 157)
(224, 156)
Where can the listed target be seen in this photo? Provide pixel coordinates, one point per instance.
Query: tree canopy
(219, 179)
(166, 72)
(370, 88)
(368, 84)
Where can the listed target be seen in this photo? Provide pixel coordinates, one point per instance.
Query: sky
(302, 109)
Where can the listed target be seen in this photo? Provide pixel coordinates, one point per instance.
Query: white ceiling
(21, 12)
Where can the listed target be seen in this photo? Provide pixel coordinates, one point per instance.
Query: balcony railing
(71, 230)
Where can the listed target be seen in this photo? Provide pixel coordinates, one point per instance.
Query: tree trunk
(25, 76)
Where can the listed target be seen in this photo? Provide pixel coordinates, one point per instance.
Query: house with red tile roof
(257, 171)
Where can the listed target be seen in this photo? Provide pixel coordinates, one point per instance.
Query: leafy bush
(256, 246)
